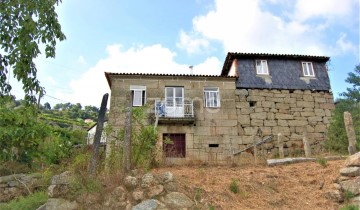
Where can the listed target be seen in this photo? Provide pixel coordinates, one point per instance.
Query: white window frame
(308, 69)
(138, 94)
(211, 97)
(262, 67)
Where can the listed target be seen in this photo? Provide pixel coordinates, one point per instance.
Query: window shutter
(137, 98)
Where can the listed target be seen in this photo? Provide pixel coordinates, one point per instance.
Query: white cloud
(91, 85)
(190, 43)
(81, 60)
(248, 26)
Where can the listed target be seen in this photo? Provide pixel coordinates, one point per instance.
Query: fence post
(255, 150)
(280, 145)
(350, 133)
(307, 147)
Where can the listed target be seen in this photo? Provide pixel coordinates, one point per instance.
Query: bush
(350, 207)
(30, 202)
(234, 186)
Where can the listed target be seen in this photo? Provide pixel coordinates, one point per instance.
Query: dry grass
(296, 186)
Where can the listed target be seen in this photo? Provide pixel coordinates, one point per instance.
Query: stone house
(209, 117)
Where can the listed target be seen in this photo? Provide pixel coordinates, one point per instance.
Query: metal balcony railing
(174, 108)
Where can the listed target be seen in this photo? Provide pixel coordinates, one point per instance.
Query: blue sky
(167, 36)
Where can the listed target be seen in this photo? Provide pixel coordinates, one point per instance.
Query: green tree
(337, 137)
(353, 93)
(24, 25)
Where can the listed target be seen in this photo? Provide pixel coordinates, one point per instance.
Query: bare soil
(295, 186)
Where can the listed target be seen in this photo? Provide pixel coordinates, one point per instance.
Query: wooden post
(307, 147)
(127, 137)
(98, 133)
(255, 150)
(350, 133)
(280, 145)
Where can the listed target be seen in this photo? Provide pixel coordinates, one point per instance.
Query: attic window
(262, 67)
(308, 69)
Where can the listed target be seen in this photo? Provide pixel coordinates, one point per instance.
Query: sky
(168, 36)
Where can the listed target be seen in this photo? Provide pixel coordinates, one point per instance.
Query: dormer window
(262, 67)
(308, 69)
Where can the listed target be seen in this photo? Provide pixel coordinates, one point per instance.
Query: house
(91, 135)
(210, 117)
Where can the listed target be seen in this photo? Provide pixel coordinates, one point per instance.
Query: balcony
(175, 111)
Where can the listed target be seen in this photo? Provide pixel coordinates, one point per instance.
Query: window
(308, 69)
(211, 96)
(262, 67)
(138, 94)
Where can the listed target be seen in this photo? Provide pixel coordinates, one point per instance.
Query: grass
(30, 202)
(322, 161)
(234, 186)
(350, 207)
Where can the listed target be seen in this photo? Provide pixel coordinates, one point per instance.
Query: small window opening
(252, 103)
(213, 145)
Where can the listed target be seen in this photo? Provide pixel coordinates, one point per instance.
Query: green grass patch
(30, 202)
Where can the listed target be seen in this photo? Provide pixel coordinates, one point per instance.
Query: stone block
(275, 99)
(290, 100)
(319, 112)
(257, 123)
(307, 114)
(270, 116)
(313, 120)
(240, 105)
(280, 116)
(283, 130)
(255, 98)
(258, 115)
(268, 104)
(320, 128)
(250, 131)
(308, 104)
(283, 123)
(247, 139)
(308, 98)
(282, 106)
(241, 92)
(320, 99)
(270, 123)
(244, 120)
(327, 106)
(297, 123)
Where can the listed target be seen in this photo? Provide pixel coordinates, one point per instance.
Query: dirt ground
(294, 186)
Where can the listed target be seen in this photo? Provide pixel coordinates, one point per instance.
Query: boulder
(130, 182)
(353, 160)
(170, 187)
(166, 177)
(63, 178)
(138, 195)
(59, 204)
(176, 200)
(116, 199)
(350, 171)
(355, 201)
(155, 191)
(334, 195)
(150, 204)
(60, 184)
(147, 180)
(352, 185)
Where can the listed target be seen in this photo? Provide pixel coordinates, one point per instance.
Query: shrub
(30, 202)
(322, 161)
(234, 186)
(350, 207)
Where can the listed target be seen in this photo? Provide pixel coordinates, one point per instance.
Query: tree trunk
(127, 138)
(98, 133)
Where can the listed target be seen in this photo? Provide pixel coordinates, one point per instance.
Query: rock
(116, 199)
(355, 201)
(352, 185)
(170, 187)
(63, 178)
(155, 191)
(334, 195)
(138, 195)
(177, 200)
(353, 160)
(130, 182)
(342, 178)
(59, 204)
(147, 180)
(275, 162)
(166, 177)
(55, 191)
(150, 204)
(337, 186)
(350, 171)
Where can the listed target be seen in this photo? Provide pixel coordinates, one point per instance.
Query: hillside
(295, 186)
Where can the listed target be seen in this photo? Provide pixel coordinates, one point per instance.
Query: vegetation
(234, 186)
(24, 25)
(30, 202)
(337, 138)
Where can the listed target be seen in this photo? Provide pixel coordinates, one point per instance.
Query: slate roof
(285, 71)
(108, 74)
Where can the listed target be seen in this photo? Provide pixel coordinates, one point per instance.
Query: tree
(24, 25)
(354, 79)
(47, 106)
